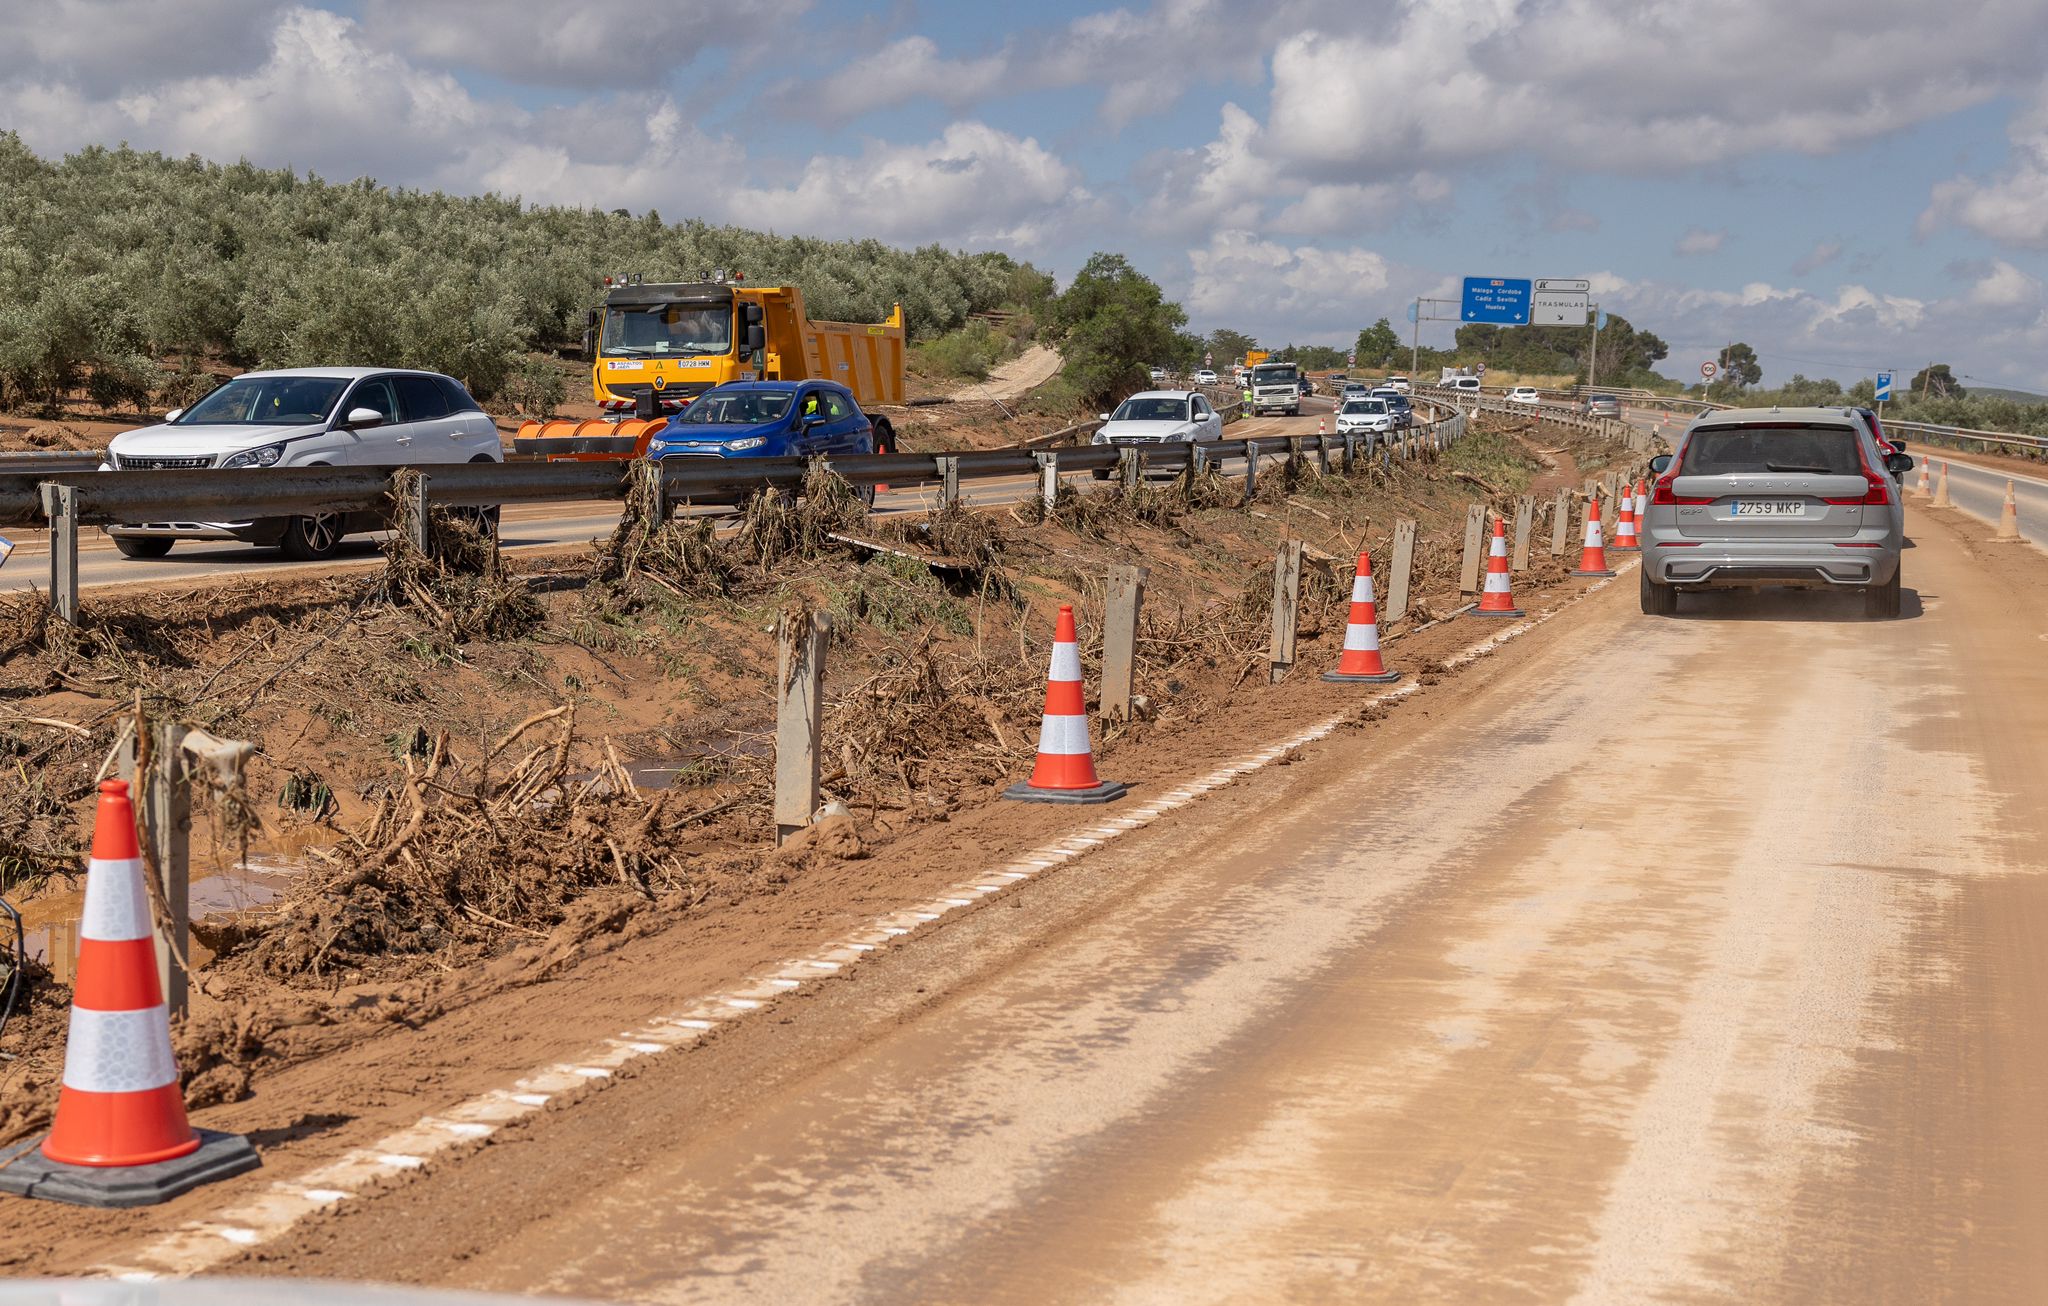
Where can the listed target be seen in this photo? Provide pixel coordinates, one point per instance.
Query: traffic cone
(1593, 558)
(1642, 508)
(1065, 772)
(120, 1137)
(1941, 499)
(1321, 427)
(1625, 526)
(2009, 519)
(1497, 599)
(1925, 491)
(1361, 660)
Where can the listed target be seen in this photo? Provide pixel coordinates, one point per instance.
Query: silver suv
(1806, 497)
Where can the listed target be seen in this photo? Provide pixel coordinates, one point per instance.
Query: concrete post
(799, 716)
(417, 523)
(1048, 477)
(1404, 563)
(1251, 469)
(1120, 640)
(949, 480)
(1286, 605)
(1129, 464)
(1525, 518)
(1475, 532)
(60, 505)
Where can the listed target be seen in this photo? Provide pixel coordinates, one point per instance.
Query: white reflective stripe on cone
(1361, 589)
(1496, 582)
(119, 1051)
(1361, 639)
(1066, 662)
(1064, 735)
(116, 908)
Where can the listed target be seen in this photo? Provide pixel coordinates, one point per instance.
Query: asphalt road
(527, 528)
(1689, 959)
(1979, 489)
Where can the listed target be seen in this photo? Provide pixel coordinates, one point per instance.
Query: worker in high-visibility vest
(1247, 398)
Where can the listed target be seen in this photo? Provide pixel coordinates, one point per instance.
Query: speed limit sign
(1707, 370)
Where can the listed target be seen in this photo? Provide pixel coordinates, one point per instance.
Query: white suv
(1524, 394)
(310, 417)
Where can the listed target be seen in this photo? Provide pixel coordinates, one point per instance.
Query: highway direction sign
(1502, 300)
(1559, 307)
(1562, 285)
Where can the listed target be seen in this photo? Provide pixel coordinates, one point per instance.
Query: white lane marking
(202, 1245)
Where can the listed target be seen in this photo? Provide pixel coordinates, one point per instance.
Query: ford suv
(1805, 497)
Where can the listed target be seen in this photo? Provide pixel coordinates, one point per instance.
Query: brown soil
(475, 838)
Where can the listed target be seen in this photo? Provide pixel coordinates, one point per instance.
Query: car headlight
(656, 446)
(751, 442)
(263, 457)
(1098, 437)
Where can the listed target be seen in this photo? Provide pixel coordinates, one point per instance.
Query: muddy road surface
(1691, 959)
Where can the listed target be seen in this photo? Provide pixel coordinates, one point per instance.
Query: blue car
(767, 419)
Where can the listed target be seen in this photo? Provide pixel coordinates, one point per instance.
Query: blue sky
(1845, 185)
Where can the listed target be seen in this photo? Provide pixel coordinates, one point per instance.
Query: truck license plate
(1769, 507)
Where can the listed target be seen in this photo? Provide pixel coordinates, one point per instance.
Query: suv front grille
(128, 464)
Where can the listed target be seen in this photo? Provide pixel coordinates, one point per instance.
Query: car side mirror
(174, 414)
(1660, 464)
(1899, 464)
(812, 419)
(1102, 417)
(757, 339)
(358, 418)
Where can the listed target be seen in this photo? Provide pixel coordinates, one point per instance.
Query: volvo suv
(1805, 497)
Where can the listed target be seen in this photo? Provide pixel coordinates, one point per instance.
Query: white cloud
(1698, 240)
(1327, 210)
(1823, 253)
(2004, 286)
(103, 46)
(1226, 183)
(1317, 293)
(893, 74)
(2012, 207)
(973, 185)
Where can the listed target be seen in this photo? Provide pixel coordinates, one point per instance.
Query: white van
(1468, 384)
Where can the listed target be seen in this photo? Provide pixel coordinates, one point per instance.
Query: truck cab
(1276, 388)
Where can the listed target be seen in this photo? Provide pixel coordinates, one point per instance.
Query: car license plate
(1769, 508)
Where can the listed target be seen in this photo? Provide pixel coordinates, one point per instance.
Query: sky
(1847, 185)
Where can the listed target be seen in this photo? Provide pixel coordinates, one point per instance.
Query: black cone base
(220, 1156)
(1106, 792)
(1498, 612)
(1592, 573)
(1383, 678)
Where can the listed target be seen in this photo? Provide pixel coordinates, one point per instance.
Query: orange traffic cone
(1361, 660)
(1625, 526)
(1941, 499)
(1498, 600)
(1065, 772)
(1593, 558)
(1925, 492)
(1642, 508)
(2008, 519)
(120, 1137)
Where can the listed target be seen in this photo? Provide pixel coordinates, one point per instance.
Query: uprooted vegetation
(479, 763)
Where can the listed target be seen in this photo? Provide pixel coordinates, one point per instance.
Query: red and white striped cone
(1625, 525)
(1361, 662)
(1926, 491)
(1941, 499)
(120, 1137)
(1593, 557)
(1642, 507)
(1497, 599)
(1065, 772)
(1322, 427)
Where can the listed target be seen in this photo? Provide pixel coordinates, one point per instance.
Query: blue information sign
(1496, 299)
(1884, 386)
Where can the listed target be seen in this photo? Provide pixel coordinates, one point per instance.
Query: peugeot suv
(1805, 497)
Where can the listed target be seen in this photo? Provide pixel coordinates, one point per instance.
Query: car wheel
(142, 546)
(1658, 600)
(1882, 601)
(309, 539)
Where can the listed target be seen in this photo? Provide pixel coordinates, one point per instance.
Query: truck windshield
(667, 329)
(1276, 374)
(267, 401)
(740, 408)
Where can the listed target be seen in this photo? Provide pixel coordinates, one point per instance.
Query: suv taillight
(1662, 495)
(1878, 491)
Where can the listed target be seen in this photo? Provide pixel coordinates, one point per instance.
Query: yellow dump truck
(655, 346)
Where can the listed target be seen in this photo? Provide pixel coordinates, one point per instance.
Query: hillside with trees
(125, 273)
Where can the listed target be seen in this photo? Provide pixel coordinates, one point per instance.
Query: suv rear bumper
(1819, 565)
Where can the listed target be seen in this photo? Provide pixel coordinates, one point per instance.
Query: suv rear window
(1734, 450)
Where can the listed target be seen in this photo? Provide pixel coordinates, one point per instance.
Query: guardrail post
(163, 808)
(1404, 563)
(60, 505)
(1130, 466)
(799, 716)
(1322, 453)
(1120, 640)
(949, 479)
(417, 524)
(1475, 528)
(1525, 517)
(1350, 451)
(1251, 469)
(1286, 604)
(1048, 477)
(1560, 522)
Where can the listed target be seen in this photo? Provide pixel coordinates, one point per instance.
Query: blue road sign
(1411, 312)
(1601, 325)
(1504, 300)
(1884, 386)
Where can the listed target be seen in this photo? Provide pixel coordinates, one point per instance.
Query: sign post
(1707, 371)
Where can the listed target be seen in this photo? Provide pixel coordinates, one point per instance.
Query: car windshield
(737, 408)
(667, 329)
(267, 401)
(1735, 450)
(1154, 409)
(1365, 406)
